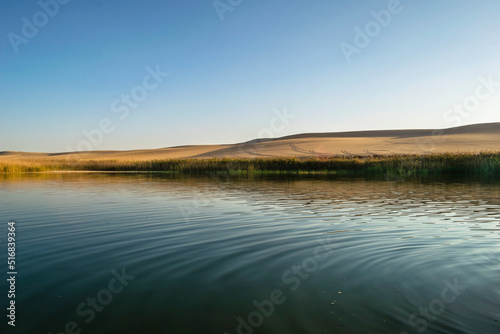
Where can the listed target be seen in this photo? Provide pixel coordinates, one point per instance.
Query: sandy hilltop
(471, 138)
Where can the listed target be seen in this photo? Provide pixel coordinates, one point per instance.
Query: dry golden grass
(450, 164)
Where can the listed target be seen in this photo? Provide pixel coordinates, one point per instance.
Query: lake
(156, 254)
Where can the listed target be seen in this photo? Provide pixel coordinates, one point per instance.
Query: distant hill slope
(470, 138)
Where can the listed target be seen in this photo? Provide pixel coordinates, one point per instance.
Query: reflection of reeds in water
(466, 164)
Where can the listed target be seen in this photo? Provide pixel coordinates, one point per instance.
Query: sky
(123, 74)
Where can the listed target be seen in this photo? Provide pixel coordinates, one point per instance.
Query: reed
(484, 163)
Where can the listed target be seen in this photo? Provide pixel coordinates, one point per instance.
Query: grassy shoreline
(430, 164)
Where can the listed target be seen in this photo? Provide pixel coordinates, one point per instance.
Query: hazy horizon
(432, 132)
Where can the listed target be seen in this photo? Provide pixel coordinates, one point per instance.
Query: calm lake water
(161, 254)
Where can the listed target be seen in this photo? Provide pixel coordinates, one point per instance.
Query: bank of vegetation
(430, 164)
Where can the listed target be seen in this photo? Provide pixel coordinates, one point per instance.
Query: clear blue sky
(227, 76)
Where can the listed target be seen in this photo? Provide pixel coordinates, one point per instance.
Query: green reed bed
(431, 164)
